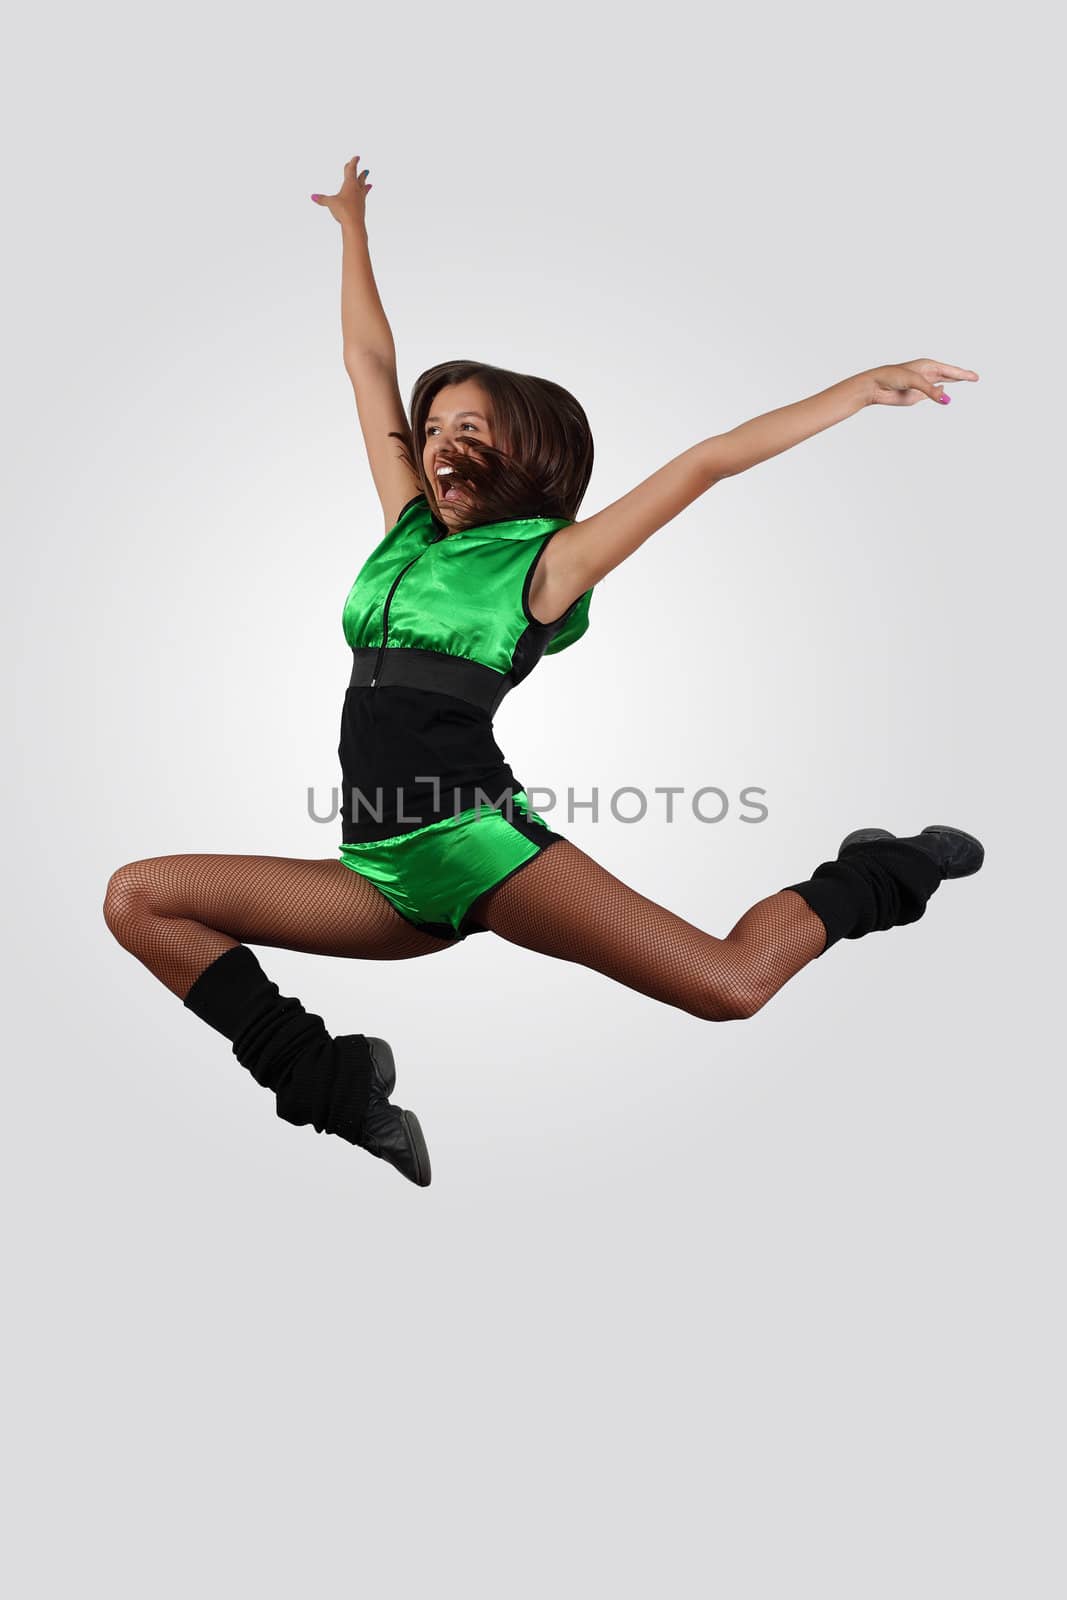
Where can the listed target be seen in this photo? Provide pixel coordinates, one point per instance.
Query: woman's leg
(184, 917)
(563, 903)
(178, 914)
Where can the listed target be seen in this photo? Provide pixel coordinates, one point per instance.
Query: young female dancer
(483, 569)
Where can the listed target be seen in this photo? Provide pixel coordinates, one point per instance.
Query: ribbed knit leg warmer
(870, 888)
(315, 1078)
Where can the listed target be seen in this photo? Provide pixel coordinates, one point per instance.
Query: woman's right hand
(350, 202)
(906, 385)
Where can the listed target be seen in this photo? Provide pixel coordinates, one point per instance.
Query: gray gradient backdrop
(767, 1309)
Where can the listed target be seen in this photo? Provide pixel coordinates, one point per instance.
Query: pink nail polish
(946, 399)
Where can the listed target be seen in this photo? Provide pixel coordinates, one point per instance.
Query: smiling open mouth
(448, 488)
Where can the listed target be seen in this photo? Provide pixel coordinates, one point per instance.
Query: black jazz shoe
(387, 1131)
(955, 853)
(864, 836)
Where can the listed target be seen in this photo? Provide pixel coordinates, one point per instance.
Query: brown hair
(542, 463)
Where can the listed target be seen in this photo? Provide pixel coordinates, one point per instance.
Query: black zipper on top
(388, 602)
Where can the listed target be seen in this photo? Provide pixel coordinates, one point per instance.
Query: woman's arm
(365, 327)
(369, 351)
(578, 557)
(752, 442)
(767, 436)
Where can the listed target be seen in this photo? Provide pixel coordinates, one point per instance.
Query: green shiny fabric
(465, 594)
(434, 875)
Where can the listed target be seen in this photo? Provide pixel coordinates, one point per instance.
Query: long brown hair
(542, 464)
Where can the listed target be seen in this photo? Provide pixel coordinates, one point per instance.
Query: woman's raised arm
(365, 327)
(576, 558)
(369, 351)
(746, 446)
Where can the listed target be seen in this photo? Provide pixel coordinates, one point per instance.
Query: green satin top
(463, 594)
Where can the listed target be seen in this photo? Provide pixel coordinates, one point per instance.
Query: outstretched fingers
(943, 372)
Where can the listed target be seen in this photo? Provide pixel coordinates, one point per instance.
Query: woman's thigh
(564, 904)
(318, 906)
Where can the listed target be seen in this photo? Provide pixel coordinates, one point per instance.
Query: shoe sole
(384, 1061)
(418, 1148)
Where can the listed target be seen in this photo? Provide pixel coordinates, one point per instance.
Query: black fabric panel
(528, 651)
(395, 742)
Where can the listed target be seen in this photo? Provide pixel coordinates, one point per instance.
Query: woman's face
(458, 412)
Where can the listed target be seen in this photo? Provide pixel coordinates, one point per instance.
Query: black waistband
(483, 687)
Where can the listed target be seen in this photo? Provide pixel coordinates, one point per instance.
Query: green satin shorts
(433, 875)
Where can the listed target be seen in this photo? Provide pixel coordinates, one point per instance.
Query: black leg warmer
(870, 888)
(315, 1078)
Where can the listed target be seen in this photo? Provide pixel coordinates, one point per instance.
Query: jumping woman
(482, 570)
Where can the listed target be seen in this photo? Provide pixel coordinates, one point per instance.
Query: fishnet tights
(564, 904)
(177, 914)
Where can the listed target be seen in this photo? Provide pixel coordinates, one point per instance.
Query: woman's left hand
(906, 385)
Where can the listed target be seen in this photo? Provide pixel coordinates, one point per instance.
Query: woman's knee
(729, 1000)
(126, 899)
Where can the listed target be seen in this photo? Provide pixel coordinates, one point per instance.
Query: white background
(767, 1309)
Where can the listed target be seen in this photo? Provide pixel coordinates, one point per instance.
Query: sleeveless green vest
(462, 593)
